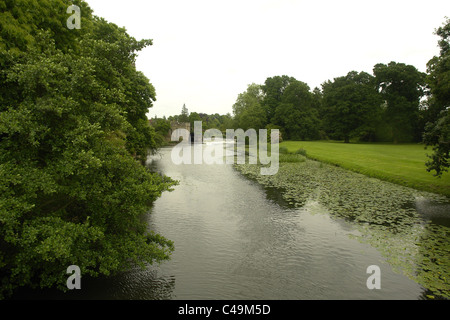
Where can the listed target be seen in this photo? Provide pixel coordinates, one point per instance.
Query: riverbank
(390, 217)
(403, 164)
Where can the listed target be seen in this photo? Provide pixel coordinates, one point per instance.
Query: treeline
(393, 104)
(384, 106)
(209, 121)
(73, 137)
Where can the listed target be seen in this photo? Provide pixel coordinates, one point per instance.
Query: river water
(235, 239)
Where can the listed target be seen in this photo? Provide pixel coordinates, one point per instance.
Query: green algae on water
(384, 214)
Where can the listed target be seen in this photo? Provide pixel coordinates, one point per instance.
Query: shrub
(283, 150)
(292, 158)
(301, 151)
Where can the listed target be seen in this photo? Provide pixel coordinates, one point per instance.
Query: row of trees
(393, 104)
(73, 136)
(209, 121)
(397, 103)
(385, 106)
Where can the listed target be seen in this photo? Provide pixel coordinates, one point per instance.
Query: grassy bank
(403, 164)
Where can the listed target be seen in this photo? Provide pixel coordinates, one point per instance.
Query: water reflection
(436, 212)
(235, 239)
(409, 228)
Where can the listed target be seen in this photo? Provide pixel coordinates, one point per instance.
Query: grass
(291, 158)
(403, 164)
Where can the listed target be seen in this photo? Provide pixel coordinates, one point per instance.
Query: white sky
(205, 53)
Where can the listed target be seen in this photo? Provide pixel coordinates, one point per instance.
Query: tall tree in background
(437, 133)
(351, 107)
(194, 116)
(296, 114)
(273, 90)
(248, 110)
(402, 87)
(438, 78)
(184, 116)
(72, 125)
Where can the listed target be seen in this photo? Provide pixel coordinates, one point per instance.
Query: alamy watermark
(214, 152)
(74, 21)
(74, 281)
(374, 281)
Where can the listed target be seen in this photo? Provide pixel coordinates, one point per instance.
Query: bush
(283, 150)
(72, 126)
(301, 151)
(292, 158)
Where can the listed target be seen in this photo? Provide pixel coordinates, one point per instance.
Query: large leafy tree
(351, 106)
(248, 110)
(20, 23)
(72, 131)
(273, 90)
(438, 78)
(437, 133)
(296, 114)
(402, 87)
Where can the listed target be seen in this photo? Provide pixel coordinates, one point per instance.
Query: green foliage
(437, 135)
(72, 132)
(295, 113)
(438, 77)
(402, 87)
(209, 121)
(283, 150)
(248, 111)
(383, 214)
(301, 151)
(351, 107)
(291, 158)
(282, 103)
(194, 116)
(437, 131)
(286, 156)
(184, 116)
(399, 163)
(273, 90)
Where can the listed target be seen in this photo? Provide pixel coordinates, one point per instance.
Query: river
(235, 239)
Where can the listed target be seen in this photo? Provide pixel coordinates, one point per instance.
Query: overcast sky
(206, 52)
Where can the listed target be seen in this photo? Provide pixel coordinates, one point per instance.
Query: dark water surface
(235, 239)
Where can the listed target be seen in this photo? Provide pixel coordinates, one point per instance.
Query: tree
(402, 87)
(20, 23)
(296, 114)
(226, 122)
(194, 116)
(438, 78)
(72, 128)
(184, 117)
(248, 111)
(351, 106)
(162, 129)
(273, 90)
(437, 135)
(437, 131)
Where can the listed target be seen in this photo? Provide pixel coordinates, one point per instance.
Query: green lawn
(403, 164)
